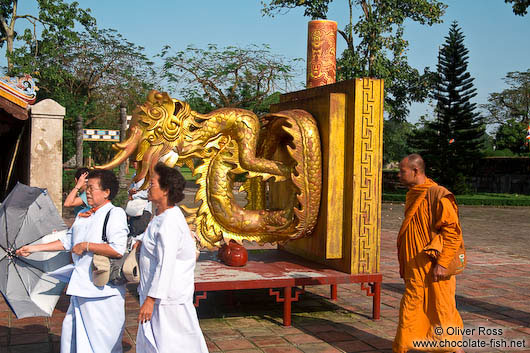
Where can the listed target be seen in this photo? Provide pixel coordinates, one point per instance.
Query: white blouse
(90, 229)
(167, 259)
(141, 194)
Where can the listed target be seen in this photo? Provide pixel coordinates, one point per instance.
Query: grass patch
(186, 173)
(257, 251)
(393, 197)
(479, 199)
(494, 199)
(121, 198)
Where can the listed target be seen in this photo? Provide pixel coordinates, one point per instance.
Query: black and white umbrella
(28, 216)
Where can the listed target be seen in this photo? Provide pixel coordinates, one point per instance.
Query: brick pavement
(493, 292)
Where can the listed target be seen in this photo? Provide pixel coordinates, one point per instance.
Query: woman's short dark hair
(80, 172)
(107, 181)
(172, 181)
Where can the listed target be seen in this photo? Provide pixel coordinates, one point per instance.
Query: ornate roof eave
(21, 113)
(20, 90)
(17, 94)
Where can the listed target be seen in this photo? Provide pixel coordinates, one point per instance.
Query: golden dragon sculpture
(279, 149)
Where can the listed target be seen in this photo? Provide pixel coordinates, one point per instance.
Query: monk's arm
(449, 227)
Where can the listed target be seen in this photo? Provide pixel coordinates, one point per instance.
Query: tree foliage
(395, 140)
(511, 135)
(519, 6)
(227, 77)
(381, 50)
(54, 16)
(452, 142)
(513, 103)
(509, 110)
(91, 74)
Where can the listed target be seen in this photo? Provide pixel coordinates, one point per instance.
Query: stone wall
(510, 175)
(505, 175)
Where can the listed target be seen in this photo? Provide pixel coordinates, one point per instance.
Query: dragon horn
(126, 148)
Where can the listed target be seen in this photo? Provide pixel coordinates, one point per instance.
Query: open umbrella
(28, 216)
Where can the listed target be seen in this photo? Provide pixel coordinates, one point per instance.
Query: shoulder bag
(107, 270)
(434, 248)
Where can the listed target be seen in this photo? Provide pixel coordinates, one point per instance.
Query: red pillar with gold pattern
(321, 53)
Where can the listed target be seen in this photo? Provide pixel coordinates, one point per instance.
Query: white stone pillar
(46, 149)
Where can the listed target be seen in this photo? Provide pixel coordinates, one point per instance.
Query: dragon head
(157, 132)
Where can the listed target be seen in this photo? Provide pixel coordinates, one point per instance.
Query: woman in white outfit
(95, 318)
(167, 318)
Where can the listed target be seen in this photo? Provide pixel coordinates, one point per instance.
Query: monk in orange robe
(428, 308)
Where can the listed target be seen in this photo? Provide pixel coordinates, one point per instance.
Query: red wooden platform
(276, 270)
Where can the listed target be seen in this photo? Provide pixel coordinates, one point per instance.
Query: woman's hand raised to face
(81, 181)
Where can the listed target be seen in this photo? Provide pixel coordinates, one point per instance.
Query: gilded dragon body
(281, 148)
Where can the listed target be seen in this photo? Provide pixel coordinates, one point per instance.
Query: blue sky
(498, 41)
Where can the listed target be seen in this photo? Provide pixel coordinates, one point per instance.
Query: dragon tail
(307, 175)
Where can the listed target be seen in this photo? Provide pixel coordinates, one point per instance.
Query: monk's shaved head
(412, 170)
(415, 161)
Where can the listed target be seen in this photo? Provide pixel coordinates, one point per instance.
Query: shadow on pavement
(343, 336)
(222, 304)
(483, 308)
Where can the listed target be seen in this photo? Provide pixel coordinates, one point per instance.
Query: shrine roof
(16, 94)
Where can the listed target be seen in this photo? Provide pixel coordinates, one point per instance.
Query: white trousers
(173, 328)
(94, 325)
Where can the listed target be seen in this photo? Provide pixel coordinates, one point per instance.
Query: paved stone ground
(493, 292)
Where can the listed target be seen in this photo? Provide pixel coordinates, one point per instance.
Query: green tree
(451, 144)
(511, 135)
(509, 110)
(513, 103)
(395, 140)
(381, 51)
(90, 74)
(53, 16)
(519, 6)
(227, 77)
(488, 145)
